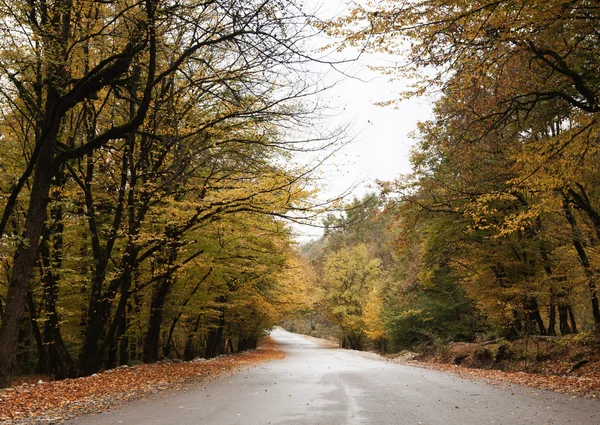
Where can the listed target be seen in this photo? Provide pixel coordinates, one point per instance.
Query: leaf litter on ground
(584, 383)
(56, 401)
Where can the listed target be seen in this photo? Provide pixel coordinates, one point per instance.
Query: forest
(495, 233)
(149, 180)
(147, 172)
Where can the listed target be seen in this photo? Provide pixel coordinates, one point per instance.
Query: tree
(118, 97)
(349, 276)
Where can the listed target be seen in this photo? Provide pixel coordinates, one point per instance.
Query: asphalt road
(322, 386)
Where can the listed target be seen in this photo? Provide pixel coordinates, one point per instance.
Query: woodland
(146, 176)
(495, 233)
(149, 180)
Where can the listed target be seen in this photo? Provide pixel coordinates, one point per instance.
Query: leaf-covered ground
(587, 384)
(54, 402)
(568, 365)
(561, 373)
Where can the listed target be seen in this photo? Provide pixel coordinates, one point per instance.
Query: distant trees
(386, 280)
(350, 276)
(496, 229)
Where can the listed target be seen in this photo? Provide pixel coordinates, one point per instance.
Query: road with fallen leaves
(316, 385)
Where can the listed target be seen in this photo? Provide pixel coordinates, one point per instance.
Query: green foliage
(503, 201)
(146, 176)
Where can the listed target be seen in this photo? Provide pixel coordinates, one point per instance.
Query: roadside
(587, 385)
(54, 402)
(569, 365)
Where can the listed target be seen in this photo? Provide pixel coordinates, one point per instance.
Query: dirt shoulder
(567, 365)
(54, 402)
(586, 385)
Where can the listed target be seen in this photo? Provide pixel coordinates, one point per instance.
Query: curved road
(322, 386)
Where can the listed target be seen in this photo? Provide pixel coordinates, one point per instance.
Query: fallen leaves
(568, 365)
(53, 402)
(587, 384)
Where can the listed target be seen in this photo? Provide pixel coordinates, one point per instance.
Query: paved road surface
(320, 386)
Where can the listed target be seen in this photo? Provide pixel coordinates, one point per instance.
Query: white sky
(381, 145)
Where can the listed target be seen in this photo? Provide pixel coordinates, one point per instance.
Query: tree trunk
(124, 355)
(159, 298)
(584, 261)
(548, 269)
(98, 339)
(514, 328)
(551, 319)
(215, 337)
(189, 353)
(60, 361)
(533, 316)
(563, 319)
(152, 340)
(25, 258)
(168, 346)
(37, 334)
(572, 318)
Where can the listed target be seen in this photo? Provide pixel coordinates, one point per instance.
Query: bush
(503, 353)
(482, 357)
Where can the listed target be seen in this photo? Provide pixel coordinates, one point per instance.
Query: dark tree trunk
(552, 319)
(563, 319)
(169, 343)
(189, 353)
(243, 344)
(91, 346)
(548, 269)
(355, 343)
(215, 337)
(572, 319)
(124, 355)
(37, 334)
(514, 328)
(25, 257)
(533, 316)
(112, 355)
(152, 340)
(159, 298)
(97, 339)
(60, 361)
(584, 261)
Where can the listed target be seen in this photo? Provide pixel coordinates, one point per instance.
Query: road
(315, 385)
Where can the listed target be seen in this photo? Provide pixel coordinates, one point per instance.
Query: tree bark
(584, 261)
(189, 353)
(159, 297)
(151, 343)
(563, 319)
(552, 319)
(215, 336)
(533, 316)
(37, 334)
(60, 361)
(25, 257)
(572, 319)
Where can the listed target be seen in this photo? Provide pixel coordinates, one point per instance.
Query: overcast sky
(382, 142)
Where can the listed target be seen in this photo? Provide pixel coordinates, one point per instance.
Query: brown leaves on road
(53, 402)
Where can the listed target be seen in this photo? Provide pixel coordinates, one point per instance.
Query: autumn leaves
(498, 222)
(145, 169)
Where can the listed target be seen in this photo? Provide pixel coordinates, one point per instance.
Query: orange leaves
(586, 385)
(61, 400)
